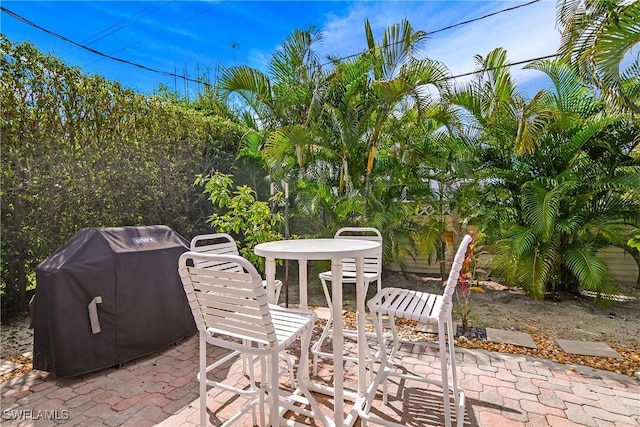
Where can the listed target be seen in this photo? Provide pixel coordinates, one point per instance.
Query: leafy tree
(79, 151)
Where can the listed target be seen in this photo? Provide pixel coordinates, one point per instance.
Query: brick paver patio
(161, 389)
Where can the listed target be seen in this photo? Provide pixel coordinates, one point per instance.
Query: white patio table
(335, 250)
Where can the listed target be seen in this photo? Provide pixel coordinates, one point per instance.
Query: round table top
(317, 249)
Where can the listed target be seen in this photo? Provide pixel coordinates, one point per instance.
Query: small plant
(468, 281)
(239, 213)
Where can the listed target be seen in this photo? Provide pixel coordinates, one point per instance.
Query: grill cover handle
(93, 314)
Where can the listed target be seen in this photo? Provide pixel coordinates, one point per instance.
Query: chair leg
(304, 380)
(263, 388)
(203, 378)
(249, 361)
(274, 389)
(396, 338)
(290, 363)
(395, 345)
(444, 372)
(452, 362)
(327, 327)
(458, 394)
(385, 359)
(376, 318)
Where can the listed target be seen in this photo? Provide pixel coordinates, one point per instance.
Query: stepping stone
(588, 348)
(427, 328)
(510, 337)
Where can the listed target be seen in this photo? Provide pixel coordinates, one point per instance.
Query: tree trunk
(441, 255)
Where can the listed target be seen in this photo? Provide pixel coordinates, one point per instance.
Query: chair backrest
(454, 273)
(219, 244)
(372, 264)
(231, 302)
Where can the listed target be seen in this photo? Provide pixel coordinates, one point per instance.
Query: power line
(121, 25)
(440, 29)
(511, 64)
(483, 17)
(187, 79)
(97, 52)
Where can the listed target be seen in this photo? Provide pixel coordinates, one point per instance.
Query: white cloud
(526, 33)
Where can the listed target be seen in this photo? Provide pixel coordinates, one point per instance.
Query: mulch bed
(547, 348)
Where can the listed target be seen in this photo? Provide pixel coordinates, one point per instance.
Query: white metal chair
(372, 272)
(425, 308)
(223, 244)
(231, 311)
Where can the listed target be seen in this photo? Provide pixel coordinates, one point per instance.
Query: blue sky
(186, 36)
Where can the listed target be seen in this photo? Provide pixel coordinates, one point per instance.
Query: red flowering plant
(468, 281)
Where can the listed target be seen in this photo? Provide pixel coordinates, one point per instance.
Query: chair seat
(409, 304)
(290, 323)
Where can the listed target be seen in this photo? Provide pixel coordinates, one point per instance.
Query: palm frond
(282, 142)
(534, 117)
(251, 145)
(571, 93)
(429, 236)
(540, 206)
(536, 269)
(296, 60)
(523, 240)
(611, 46)
(590, 271)
(251, 84)
(596, 36)
(589, 129)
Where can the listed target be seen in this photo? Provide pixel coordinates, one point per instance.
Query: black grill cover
(107, 296)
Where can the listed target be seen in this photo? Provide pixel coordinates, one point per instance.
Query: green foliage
(238, 212)
(79, 151)
(377, 140)
(596, 37)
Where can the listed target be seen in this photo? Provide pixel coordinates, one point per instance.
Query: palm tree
(282, 99)
(432, 160)
(499, 124)
(347, 107)
(400, 77)
(596, 37)
(580, 193)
